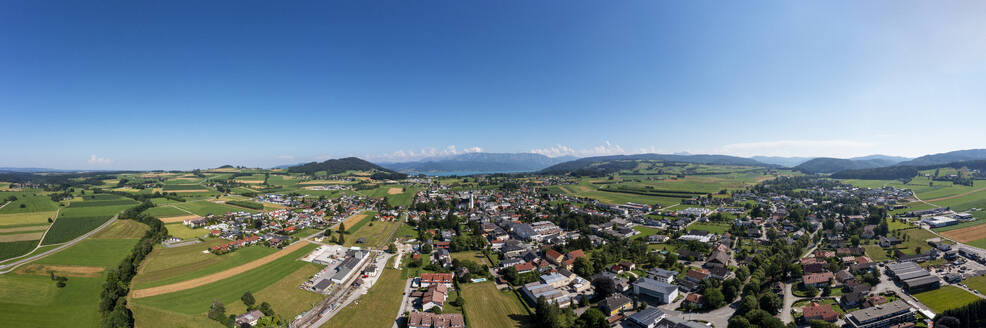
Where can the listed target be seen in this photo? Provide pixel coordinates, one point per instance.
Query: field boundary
(967, 193)
(231, 272)
(10, 267)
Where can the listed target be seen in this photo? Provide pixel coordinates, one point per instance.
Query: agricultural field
(287, 299)
(170, 265)
(204, 208)
(184, 232)
(487, 307)
(123, 229)
(197, 300)
(376, 235)
(25, 219)
(396, 195)
(31, 299)
(375, 309)
(32, 201)
(945, 298)
(165, 212)
(16, 248)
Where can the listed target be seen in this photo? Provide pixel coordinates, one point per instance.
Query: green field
(170, 265)
(284, 295)
(123, 229)
(97, 203)
(488, 307)
(915, 238)
(26, 219)
(178, 187)
(475, 256)
(203, 208)
(197, 300)
(68, 228)
(182, 231)
(376, 236)
(377, 308)
(92, 252)
(976, 283)
(876, 253)
(16, 248)
(646, 231)
(716, 228)
(400, 199)
(165, 212)
(945, 298)
(32, 201)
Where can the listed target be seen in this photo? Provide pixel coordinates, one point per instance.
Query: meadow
(204, 208)
(32, 201)
(284, 295)
(170, 265)
(26, 219)
(165, 212)
(376, 235)
(945, 298)
(475, 256)
(197, 300)
(377, 308)
(487, 307)
(182, 231)
(716, 228)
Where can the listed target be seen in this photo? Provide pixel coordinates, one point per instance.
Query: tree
(592, 318)
(713, 298)
(855, 241)
(738, 321)
(342, 228)
(392, 248)
(217, 311)
(342, 239)
(426, 248)
(509, 274)
(582, 267)
(266, 309)
(730, 289)
(825, 324)
(603, 287)
(771, 303)
(50, 220)
(248, 299)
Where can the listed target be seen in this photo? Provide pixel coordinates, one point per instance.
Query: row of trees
(113, 299)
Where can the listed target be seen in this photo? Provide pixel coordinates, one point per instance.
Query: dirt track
(967, 234)
(394, 191)
(189, 284)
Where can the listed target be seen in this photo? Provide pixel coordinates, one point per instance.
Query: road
(789, 300)
(719, 318)
(341, 297)
(5, 268)
(404, 302)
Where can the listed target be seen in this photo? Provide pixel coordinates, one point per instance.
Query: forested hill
(899, 172)
(949, 157)
(336, 166)
(606, 164)
(480, 162)
(832, 165)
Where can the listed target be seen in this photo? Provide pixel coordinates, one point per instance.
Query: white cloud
(99, 160)
(606, 148)
(828, 148)
(411, 155)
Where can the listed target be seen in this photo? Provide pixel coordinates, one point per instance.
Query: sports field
(488, 307)
(378, 308)
(945, 298)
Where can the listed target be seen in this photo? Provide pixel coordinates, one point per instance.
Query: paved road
(789, 300)
(5, 268)
(719, 318)
(404, 302)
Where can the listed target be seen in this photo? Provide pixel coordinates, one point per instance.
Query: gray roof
(655, 285)
(877, 312)
(662, 273)
(323, 284)
(920, 281)
(647, 316)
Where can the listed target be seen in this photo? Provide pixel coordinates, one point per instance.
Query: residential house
(613, 304)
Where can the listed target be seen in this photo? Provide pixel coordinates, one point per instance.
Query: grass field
(716, 228)
(203, 208)
(976, 283)
(377, 308)
(197, 300)
(170, 265)
(68, 228)
(475, 256)
(184, 232)
(22, 219)
(123, 229)
(645, 231)
(876, 253)
(488, 307)
(165, 211)
(32, 201)
(915, 238)
(376, 235)
(92, 252)
(284, 295)
(945, 298)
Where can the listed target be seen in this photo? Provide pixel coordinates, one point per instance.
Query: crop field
(488, 307)
(25, 219)
(100, 203)
(123, 229)
(967, 234)
(20, 236)
(16, 248)
(171, 265)
(377, 308)
(165, 212)
(357, 224)
(197, 300)
(351, 221)
(29, 298)
(204, 208)
(68, 228)
(592, 191)
(945, 298)
(376, 235)
(284, 295)
(716, 228)
(32, 201)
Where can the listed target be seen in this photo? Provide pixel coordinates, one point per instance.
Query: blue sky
(186, 84)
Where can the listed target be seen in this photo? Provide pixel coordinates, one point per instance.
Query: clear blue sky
(185, 84)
